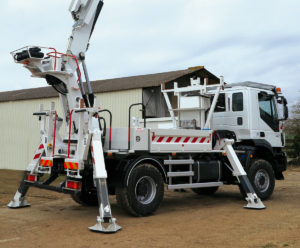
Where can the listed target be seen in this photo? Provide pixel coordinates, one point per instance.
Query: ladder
(190, 173)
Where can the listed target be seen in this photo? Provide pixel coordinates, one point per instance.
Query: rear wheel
(206, 191)
(144, 192)
(88, 194)
(85, 199)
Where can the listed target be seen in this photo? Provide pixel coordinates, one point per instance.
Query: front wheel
(144, 192)
(261, 176)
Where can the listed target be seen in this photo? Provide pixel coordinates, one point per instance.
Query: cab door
(269, 122)
(233, 116)
(239, 114)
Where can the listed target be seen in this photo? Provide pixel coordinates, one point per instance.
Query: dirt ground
(183, 220)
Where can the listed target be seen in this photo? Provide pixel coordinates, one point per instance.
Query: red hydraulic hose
(54, 57)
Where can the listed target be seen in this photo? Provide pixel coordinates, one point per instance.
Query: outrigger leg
(19, 200)
(105, 222)
(253, 200)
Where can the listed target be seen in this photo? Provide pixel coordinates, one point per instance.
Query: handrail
(110, 125)
(64, 54)
(50, 54)
(54, 57)
(129, 119)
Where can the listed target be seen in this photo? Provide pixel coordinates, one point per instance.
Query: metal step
(179, 161)
(181, 174)
(72, 141)
(44, 170)
(195, 185)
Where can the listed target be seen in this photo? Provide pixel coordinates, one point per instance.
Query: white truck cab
(251, 111)
(253, 115)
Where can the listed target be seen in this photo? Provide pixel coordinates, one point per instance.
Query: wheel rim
(145, 190)
(262, 180)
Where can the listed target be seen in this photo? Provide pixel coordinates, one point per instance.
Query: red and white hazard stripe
(179, 140)
(38, 153)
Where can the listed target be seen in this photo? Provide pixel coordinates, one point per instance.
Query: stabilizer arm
(253, 200)
(100, 176)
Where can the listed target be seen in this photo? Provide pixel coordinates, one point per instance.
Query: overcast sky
(257, 40)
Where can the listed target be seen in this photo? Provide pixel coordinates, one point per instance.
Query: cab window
(267, 109)
(237, 102)
(220, 106)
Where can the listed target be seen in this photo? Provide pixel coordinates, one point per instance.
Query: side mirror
(286, 112)
(282, 100)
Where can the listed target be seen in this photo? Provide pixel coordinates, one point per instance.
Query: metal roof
(252, 85)
(116, 84)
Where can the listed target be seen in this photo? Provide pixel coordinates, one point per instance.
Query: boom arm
(85, 13)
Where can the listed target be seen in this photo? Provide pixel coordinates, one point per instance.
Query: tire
(88, 194)
(85, 199)
(206, 191)
(262, 178)
(144, 193)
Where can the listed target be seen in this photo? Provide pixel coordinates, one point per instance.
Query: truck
(134, 163)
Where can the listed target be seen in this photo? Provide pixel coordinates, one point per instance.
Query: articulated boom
(68, 154)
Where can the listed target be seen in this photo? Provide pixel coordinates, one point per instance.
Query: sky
(242, 40)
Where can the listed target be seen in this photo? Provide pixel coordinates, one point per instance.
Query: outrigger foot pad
(254, 202)
(18, 201)
(110, 227)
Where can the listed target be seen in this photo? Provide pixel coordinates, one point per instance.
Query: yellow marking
(75, 166)
(44, 163)
(71, 165)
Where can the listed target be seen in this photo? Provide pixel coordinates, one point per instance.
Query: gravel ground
(183, 220)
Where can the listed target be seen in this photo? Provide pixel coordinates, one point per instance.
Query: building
(19, 130)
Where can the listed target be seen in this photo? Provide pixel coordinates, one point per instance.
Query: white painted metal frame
(206, 123)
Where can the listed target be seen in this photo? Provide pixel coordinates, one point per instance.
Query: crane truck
(133, 163)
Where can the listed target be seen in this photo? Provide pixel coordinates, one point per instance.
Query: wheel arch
(262, 150)
(142, 160)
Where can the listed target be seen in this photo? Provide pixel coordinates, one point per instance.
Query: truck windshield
(268, 110)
